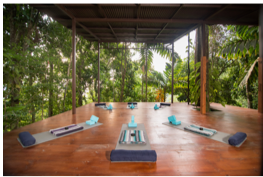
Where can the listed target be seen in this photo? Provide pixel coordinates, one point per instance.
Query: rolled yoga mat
(47, 136)
(219, 136)
(100, 104)
(125, 152)
(165, 104)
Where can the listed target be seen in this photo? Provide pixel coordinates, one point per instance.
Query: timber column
(146, 69)
(203, 73)
(260, 62)
(172, 96)
(73, 66)
(98, 72)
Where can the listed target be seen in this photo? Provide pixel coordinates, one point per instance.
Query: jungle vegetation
(37, 69)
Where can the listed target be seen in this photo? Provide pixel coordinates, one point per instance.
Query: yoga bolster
(133, 155)
(26, 138)
(165, 104)
(131, 103)
(100, 104)
(237, 138)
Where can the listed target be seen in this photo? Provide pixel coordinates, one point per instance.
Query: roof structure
(149, 23)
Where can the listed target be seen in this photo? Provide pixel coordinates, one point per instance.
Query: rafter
(105, 16)
(177, 10)
(218, 11)
(138, 16)
(68, 13)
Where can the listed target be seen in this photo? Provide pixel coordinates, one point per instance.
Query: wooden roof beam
(218, 11)
(138, 16)
(68, 13)
(105, 16)
(176, 12)
(186, 32)
(247, 13)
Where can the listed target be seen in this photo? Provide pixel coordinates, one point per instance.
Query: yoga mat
(47, 136)
(219, 136)
(146, 146)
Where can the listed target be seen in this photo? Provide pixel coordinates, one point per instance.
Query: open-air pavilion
(178, 152)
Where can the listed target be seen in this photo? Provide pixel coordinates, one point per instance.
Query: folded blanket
(26, 139)
(196, 130)
(121, 155)
(207, 129)
(66, 130)
(237, 138)
(132, 137)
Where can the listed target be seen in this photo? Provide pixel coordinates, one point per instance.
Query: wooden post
(172, 95)
(260, 62)
(203, 74)
(98, 72)
(73, 66)
(146, 70)
(188, 100)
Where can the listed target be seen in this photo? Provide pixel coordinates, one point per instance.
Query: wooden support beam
(260, 62)
(172, 95)
(73, 66)
(131, 20)
(188, 90)
(98, 72)
(136, 33)
(146, 70)
(103, 14)
(218, 11)
(177, 10)
(186, 32)
(140, 20)
(68, 13)
(203, 74)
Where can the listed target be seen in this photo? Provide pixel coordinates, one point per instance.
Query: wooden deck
(178, 152)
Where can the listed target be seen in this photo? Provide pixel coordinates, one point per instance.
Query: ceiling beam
(139, 29)
(247, 13)
(186, 32)
(140, 20)
(138, 16)
(176, 12)
(68, 13)
(223, 7)
(105, 16)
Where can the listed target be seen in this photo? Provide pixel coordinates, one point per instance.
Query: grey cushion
(26, 138)
(133, 155)
(237, 138)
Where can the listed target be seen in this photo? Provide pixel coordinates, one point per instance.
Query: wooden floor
(178, 152)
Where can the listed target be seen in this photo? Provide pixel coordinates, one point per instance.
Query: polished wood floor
(178, 152)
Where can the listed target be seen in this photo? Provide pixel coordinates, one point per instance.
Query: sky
(179, 47)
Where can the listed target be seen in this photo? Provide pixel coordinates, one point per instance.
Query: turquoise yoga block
(134, 125)
(172, 119)
(109, 107)
(90, 122)
(156, 107)
(132, 107)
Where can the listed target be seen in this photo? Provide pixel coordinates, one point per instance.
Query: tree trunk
(198, 54)
(66, 87)
(50, 100)
(123, 75)
(32, 110)
(249, 96)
